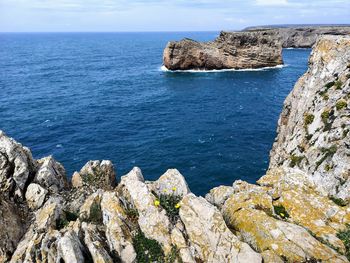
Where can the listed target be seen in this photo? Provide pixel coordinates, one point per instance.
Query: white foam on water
(165, 69)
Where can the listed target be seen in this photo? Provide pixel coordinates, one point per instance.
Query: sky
(164, 15)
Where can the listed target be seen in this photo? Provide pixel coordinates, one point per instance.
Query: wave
(165, 69)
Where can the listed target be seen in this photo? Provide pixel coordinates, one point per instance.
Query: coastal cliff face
(229, 51)
(304, 37)
(292, 214)
(315, 121)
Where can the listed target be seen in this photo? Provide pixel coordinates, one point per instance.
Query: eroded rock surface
(239, 50)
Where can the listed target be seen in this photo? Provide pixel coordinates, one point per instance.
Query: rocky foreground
(297, 212)
(240, 50)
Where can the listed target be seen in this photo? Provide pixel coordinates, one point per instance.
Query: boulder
(209, 235)
(171, 182)
(35, 196)
(17, 167)
(51, 175)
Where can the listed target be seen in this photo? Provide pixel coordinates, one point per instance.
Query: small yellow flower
(177, 206)
(165, 190)
(156, 203)
(174, 189)
(281, 214)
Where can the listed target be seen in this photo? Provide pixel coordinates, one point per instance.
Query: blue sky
(164, 15)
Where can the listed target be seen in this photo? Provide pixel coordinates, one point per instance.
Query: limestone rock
(99, 174)
(35, 196)
(16, 166)
(11, 228)
(152, 220)
(253, 218)
(95, 244)
(117, 231)
(313, 127)
(208, 233)
(51, 175)
(218, 195)
(171, 182)
(69, 248)
(235, 50)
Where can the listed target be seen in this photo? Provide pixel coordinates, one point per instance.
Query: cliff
(229, 51)
(297, 212)
(303, 36)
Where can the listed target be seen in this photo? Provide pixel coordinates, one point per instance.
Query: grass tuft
(147, 250)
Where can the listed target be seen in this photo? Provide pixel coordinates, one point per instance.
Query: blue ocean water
(83, 96)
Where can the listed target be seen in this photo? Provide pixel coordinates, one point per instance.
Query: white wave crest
(165, 69)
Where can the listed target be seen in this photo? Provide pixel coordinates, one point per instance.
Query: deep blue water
(89, 96)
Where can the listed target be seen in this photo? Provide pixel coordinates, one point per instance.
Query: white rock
(35, 196)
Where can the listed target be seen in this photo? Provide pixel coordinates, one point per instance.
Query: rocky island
(238, 50)
(298, 212)
(254, 47)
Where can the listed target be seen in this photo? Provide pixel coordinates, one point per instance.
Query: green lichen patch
(147, 250)
(344, 236)
(281, 211)
(341, 104)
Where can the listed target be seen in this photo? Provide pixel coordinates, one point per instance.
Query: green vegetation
(170, 202)
(65, 218)
(328, 167)
(329, 85)
(281, 211)
(173, 256)
(338, 201)
(295, 160)
(325, 116)
(341, 104)
(95, 213)
(147, 250)
(308, 119)
(328, 152)
(345, 133)
(338, 84)
(324, 95)
(325, 119)
(132, 214)
(345, 237)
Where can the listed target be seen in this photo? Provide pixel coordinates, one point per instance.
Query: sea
(94, 96)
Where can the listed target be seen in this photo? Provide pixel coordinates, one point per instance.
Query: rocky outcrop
(239, 50)
(313, 130)
(298, 212)
(254, 47)
(303, 36)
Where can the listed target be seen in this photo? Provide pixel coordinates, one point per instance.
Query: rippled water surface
(89, 96)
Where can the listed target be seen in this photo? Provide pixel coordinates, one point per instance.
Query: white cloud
(271, 2)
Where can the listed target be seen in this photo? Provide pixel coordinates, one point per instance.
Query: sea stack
(231, 50)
